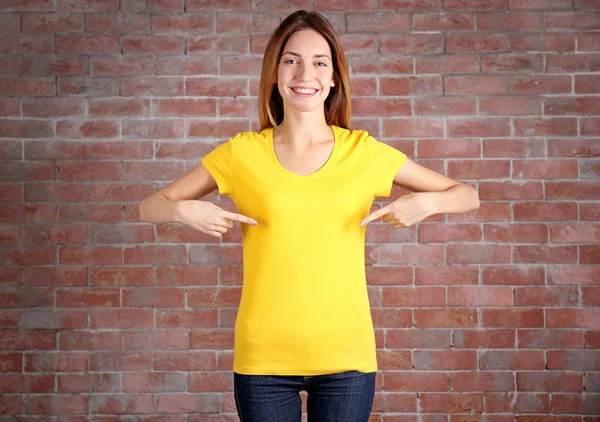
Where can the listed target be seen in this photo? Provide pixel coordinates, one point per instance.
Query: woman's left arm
(434, 193)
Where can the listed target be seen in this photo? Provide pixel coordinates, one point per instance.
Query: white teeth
(304, 91)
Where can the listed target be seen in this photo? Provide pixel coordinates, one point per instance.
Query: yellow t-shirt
(304, 308)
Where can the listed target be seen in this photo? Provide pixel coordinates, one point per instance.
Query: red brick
(564, 274)
(87, 44)
(185, 65)
(206, 296)
(571, 106)
(509, 21)
(359, 43)
(126, 318)
(415, 127)
(511, 190)
(83, 383)
(449, 232)
(236, 65)
(87, 128)
(572, 63)
(121, 403)
(378, 22)
(475, 42)
(150, 86)
(155, 44)
(440, 64)
(29, 87)
(540, 84)
(587, 84)
(246, 23)
(54, 404)
(513, 318)
(55, 65)
(444, 106)
(154, 128)
(87, 87)
(571, 190)
(512, 360)
(445, 318)
(510, 106)
(443, 21)
(430, 275)
(185, 107)
(52, 22)
(475, 85)
(118, 24)
(479, 296)
(446, 360)
(549, 381)
(573, 360)
(479, 126)
(413, 297)
(516, 233)
(543, 169)
(545, 254)
(182, 24)
(540, 4)
(151, 6)
(411, 85)
(551, 42)
(545, 127)
(514, 147)
(571, 20)
(384, 107)
(163, 254)
(555, 339)
(451, 403)
(10, 23)
(381, 64)
(573, 318)
(546, 296)
(588, 41)
(10, 65)
(590, 126)
(118, 107)
(512, 63)
(9, 107)
(26, 6)
(517, 403)
(21, 43)
(411, 43)
(26, 128)
(120, 66)
(481, 381)
(416, 381)
(52, 107)
(488, 339)
(87, 5)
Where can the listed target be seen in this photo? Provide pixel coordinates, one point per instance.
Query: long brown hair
(270, 104)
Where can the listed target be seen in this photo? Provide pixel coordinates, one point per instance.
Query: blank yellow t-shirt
(304, 308)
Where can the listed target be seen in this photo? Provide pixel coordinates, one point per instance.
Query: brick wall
(489, 315)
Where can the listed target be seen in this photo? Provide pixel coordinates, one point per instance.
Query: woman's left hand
(406, 210)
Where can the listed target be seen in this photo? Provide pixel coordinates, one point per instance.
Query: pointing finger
(239, 217)
(374, 215)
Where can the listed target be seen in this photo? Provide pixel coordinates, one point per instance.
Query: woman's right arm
(164, 206)
(178, 203)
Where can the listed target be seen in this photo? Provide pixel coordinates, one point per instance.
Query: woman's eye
(289, 60)
(323, 63)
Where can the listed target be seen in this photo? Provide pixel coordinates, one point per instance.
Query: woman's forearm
(157, 209)
(458, 198)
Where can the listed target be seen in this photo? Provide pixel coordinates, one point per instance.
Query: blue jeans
(345, 396)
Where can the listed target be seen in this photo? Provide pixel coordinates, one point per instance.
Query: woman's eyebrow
(298, 55)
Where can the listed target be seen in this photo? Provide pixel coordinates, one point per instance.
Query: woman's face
(305, 71)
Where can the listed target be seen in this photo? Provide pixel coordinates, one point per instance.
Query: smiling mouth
(303, 92)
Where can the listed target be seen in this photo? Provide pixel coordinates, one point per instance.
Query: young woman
(304, 185)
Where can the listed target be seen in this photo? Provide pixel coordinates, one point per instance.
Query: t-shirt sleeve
(219, 163)
(386, 161)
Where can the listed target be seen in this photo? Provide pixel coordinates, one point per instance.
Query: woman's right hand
(208, 218)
